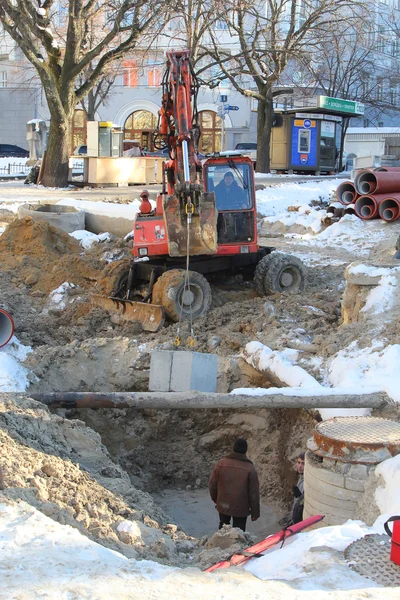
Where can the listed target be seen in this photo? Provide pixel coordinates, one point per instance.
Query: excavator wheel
(114, 279)
(280, 273)
(169, 292)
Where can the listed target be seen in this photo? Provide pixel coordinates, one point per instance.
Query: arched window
(211, 125)
(78, 128)
(139, 126)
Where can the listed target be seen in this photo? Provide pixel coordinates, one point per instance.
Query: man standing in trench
(234, 487)
(298, 491)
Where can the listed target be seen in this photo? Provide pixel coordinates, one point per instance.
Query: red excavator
(203, 227)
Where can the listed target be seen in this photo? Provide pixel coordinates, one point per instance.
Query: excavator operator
(229, 195)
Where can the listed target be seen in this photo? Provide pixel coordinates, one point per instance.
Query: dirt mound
(43, 257)
(60, 467)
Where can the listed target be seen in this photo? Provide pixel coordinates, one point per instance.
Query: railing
(14, 169)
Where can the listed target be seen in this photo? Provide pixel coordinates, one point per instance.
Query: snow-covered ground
(13, 166)
(39, 558)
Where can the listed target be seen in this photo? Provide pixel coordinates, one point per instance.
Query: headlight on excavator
(244, 250)
(143, 252)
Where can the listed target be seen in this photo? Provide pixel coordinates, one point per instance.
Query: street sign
(233, 108)
(343, 106)
(223, 98)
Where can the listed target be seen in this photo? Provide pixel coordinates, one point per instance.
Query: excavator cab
(232, 182)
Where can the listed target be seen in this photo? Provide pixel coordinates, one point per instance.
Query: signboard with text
(349, 107)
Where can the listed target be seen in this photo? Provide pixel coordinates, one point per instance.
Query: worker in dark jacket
(229, 195)
(298, 490)
(234, 487)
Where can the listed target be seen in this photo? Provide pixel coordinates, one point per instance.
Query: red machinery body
(151, 233)
(196, 214)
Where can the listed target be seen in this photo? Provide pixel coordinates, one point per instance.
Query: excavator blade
(151, 316)
(202, 229)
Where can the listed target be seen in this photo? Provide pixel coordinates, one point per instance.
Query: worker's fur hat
(240, 446)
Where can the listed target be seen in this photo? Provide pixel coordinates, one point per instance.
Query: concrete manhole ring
(370, 557)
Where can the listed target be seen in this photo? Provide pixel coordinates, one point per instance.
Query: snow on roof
(374, 130)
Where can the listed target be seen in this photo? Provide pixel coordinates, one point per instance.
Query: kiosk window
(304, 141)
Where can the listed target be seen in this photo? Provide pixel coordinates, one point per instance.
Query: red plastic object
(395, 549)
(269, 542)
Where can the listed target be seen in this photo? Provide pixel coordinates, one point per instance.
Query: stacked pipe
(375, 193)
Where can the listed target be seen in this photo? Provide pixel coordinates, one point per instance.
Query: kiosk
(304, 139)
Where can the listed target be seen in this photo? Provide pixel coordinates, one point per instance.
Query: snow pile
(274, 201)
(348, 373)
(13, 376)
(296, 560)
(41, 557)
(58, 298)
(383, 296)
(361, 368)
(282, 364)
(387, 496)
(350, 233)
(308, 217)
(87, 239)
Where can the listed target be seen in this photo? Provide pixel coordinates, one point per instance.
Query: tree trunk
(264, 126)
(57, 152)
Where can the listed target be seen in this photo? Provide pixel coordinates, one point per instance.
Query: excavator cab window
(231, 183)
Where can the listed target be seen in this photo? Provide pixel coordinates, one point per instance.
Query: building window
(130, 73)
(210, 125)
(379, 89)
(139, 126)
(78, 129)
(3, 79)
(154, 73)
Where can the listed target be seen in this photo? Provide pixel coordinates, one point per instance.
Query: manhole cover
(370, 557)
(345, 436)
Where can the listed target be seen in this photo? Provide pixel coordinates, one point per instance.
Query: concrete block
(160, 370)
(358, 471)
(322, 474)
(194, 371)
(183, 371)
(358, 485)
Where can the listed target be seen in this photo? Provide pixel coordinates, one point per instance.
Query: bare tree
(61, 61)
(344, 65)
(268, 36)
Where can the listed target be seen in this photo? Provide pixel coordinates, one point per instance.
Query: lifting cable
(191, 341)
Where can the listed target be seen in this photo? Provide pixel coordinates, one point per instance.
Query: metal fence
(14, 169)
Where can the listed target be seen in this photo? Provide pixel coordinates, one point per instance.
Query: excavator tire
(169, 289)
(113, 279)
(280, 273)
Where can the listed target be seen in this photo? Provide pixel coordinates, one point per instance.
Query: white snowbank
(41, 558)
(362, 368)
(87, 238)
(350, 233)
(382, 298)
(58, 298)
(342, 374)
(387, 495)
(275, 200)
(13, 376)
